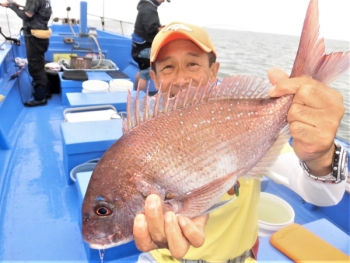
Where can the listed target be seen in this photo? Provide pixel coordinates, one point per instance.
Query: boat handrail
(121, 22)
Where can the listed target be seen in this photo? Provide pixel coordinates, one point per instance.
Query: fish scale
(214, 137)
(191, 148)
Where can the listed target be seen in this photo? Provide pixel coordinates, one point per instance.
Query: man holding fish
(182, 55)
(167, 182)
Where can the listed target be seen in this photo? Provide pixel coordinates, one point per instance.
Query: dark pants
(36, 48)
(143, 63)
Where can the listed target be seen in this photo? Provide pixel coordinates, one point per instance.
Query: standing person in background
(35, 15)
(147, 26)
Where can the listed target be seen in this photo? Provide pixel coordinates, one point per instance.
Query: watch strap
(337, 174)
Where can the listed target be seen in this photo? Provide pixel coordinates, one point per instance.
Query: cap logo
(176, 27)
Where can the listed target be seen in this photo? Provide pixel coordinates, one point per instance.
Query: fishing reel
(15, 40)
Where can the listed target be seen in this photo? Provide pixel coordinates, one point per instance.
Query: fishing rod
(12, 2)
(15, 40)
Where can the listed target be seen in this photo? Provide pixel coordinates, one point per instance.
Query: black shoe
(48, 95)
(34, 103)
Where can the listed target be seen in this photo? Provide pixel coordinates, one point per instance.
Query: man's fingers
(155, 219)
(305, 88)
(153, 229)
(193, 229)
(275, 75)
(149, 227)
(315, 118)
(142, 237)
(177, 242)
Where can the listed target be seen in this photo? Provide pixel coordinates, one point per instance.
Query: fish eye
(102, 211)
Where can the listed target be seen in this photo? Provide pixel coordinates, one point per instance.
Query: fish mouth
(103, 245)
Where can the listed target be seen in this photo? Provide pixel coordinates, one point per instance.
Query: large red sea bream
(191, 149)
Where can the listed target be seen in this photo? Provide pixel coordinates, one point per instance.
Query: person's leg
(145, 53)
(36, 49)
(144, 78)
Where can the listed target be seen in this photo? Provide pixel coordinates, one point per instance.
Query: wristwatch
(339, 167)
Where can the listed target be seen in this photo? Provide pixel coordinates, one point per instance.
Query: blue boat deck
(40, 212)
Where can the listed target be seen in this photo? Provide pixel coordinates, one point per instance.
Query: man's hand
(314, 118)
(155, 229)
(4, 4)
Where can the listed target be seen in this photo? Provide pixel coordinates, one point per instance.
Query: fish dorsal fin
(234, 87)
(311, 59)
(270, 157)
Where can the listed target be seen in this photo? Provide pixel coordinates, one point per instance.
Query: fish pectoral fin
(146, 187)
(202, 198)
(218, 205)
(262, 167)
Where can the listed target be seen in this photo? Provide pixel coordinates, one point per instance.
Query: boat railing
(93, 21)
(110, 24)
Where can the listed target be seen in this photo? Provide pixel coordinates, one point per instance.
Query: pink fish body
(192, 148)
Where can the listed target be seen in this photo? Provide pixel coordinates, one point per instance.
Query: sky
(271, 16)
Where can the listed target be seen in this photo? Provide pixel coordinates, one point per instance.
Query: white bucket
(273, 214)
(120, 85)
(95, 86)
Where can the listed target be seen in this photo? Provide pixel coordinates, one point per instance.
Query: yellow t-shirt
(230, 231)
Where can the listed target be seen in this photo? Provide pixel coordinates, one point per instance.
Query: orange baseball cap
(180, 30)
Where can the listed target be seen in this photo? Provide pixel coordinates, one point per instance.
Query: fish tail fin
(311, 59)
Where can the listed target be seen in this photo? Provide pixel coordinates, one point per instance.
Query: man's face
(179, 62)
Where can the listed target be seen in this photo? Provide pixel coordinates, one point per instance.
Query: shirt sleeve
(30, 7)
(151, 23)
(287, 171)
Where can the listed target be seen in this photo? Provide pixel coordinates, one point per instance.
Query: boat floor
(39, 217)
